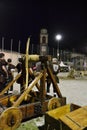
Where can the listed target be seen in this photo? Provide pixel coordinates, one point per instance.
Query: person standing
(3, 72)
(10, 68)
(55, 68)
(19, 68)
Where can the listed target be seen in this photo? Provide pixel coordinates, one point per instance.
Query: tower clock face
(43, 48)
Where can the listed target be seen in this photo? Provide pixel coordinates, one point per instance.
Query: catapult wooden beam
(21, 98)
(9, 85)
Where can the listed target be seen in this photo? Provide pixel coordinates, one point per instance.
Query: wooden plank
(69, 123)
(76, 119)
(52, 118)
(56, 113)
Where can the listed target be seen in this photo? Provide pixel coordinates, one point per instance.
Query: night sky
(20, 19)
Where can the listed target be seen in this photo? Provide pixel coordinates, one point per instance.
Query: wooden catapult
(15, 108)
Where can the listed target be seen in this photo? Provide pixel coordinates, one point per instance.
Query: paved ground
(74, 90)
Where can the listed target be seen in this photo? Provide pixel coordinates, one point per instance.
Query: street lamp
(58, 38)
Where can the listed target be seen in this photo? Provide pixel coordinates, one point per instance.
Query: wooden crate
(52, 118)
(76, 120)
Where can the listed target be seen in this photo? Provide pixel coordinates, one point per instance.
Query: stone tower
(43, 42)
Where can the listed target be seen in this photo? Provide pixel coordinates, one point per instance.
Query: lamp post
(58, 38)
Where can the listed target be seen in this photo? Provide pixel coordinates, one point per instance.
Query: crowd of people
(6, 69)
(6, 72)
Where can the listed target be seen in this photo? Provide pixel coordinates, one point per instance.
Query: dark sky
(19, 19)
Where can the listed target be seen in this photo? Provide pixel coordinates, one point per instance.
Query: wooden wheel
(53, 103)
(10, 118)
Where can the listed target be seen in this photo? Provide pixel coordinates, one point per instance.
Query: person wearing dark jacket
(55, 68)
(10, 67)
(19, 68)
(3, 71)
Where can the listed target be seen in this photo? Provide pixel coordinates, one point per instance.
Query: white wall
(14, 56)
